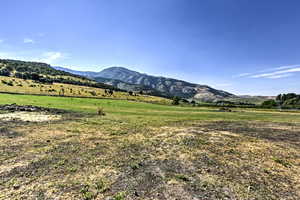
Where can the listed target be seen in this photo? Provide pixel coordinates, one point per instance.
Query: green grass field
(151, 112)
(149, 151)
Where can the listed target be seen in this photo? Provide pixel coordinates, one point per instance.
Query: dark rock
(29, 108)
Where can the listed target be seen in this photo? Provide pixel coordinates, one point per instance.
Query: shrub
(100, 112)
(93, 93)
(9, 83)
(86, 194)
(269, 104)
(119, 196)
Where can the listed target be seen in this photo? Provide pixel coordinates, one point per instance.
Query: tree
(176, 100)
(184, 101)
(4, 72)
(62, 92)
(193, 102)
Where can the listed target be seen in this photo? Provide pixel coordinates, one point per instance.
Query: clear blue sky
(241, 46)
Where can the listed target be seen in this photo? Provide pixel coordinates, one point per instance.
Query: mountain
(168, 86)
(114, 82)
(88, 74)
(130, 80)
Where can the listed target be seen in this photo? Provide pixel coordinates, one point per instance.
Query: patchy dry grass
(131, 156)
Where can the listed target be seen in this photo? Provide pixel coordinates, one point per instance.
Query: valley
(149, 100)
(67, 136)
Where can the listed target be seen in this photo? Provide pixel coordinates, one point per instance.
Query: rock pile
(28, 108)
(225, 109)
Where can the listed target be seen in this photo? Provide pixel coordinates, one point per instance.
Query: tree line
(289, 100)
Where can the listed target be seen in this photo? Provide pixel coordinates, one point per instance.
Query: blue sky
(241, 46)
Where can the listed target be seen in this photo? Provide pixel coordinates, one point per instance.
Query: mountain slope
(168, 86)
(115, 83)
(88, 74)
(163, 86)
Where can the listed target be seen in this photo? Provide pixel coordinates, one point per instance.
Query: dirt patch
(29, 113)
(29, 116)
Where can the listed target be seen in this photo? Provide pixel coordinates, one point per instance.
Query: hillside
(41, 79)
(164, 86)
(44, 73)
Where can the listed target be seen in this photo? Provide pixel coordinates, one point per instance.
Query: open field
(148, 151)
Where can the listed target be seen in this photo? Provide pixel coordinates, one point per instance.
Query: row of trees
(289, 100)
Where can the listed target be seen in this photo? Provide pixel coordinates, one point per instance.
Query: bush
(9, 83)
(4, 72)
(93, 93)
(269, 104)
(100, 112)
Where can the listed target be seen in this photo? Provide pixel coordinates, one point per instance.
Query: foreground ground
(148, 151)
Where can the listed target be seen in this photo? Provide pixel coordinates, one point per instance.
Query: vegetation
(269, 104)
(228, 103)
(44, 73)
(106, 147)
(176, 100)
(148, 151)
(290, 100)
(22, 86)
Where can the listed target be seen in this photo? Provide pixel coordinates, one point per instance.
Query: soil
(29, 113)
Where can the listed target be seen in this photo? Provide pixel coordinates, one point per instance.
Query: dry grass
(98, 157)
(148, 151)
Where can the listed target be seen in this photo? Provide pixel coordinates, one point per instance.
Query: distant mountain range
(129, 80)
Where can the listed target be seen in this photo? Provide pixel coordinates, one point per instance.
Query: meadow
(140, 150)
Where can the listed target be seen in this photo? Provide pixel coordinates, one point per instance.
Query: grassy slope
(149, 151)
(29, 87)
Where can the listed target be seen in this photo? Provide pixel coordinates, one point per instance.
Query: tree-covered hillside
(44, 73)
